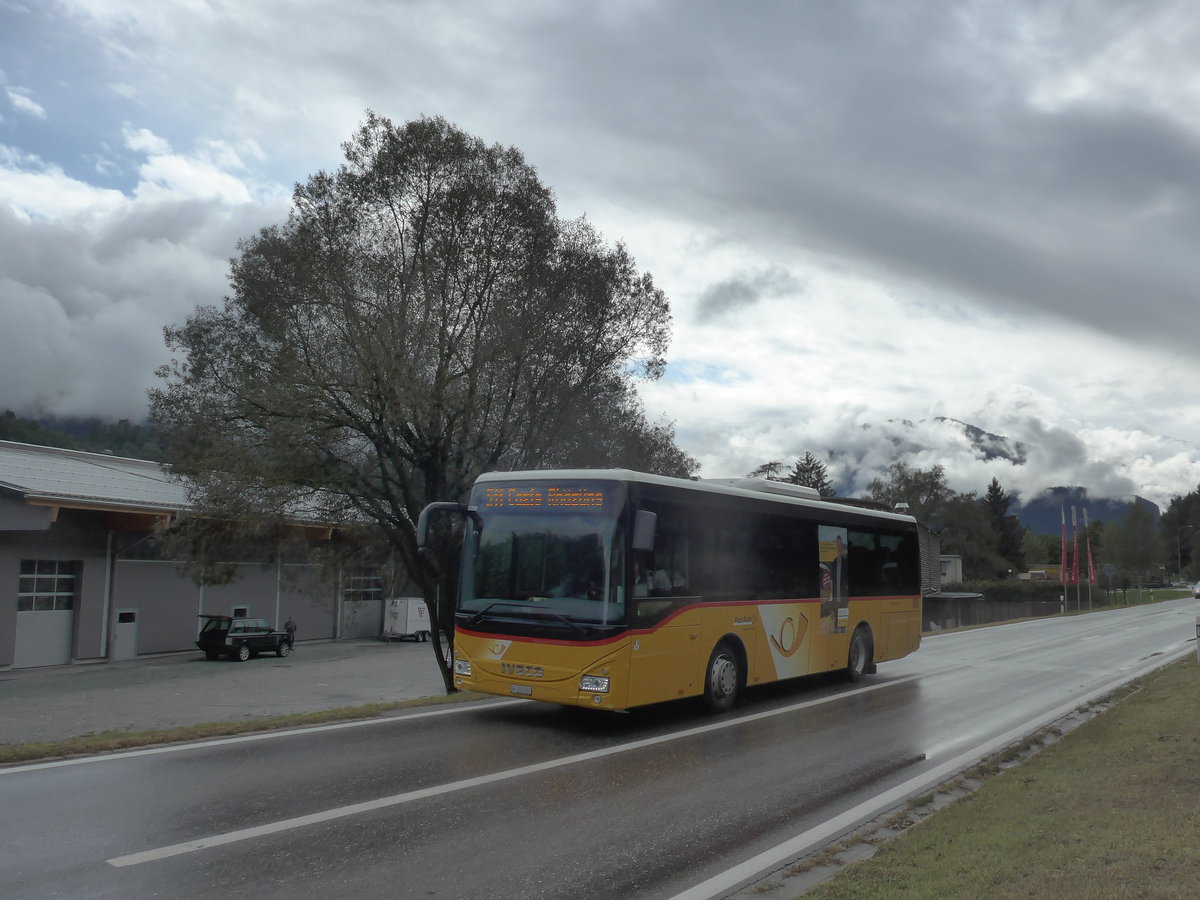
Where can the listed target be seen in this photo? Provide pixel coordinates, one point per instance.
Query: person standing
(290, 627)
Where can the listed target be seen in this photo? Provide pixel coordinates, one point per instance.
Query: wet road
(509, 798)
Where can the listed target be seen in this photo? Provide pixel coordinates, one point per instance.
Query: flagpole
(1075, 559)
(1087, 540)
(1062, 567)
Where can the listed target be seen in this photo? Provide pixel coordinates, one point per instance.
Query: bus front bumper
(587, 690)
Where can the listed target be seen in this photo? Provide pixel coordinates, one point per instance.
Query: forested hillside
(121, 438)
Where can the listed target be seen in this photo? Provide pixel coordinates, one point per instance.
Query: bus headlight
(594, 684)
(462, 667)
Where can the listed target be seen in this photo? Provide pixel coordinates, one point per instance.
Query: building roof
(50, 476)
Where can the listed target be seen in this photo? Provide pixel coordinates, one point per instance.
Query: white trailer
(406, 617)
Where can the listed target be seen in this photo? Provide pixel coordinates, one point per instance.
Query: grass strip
(109, 741)
(1111, 810)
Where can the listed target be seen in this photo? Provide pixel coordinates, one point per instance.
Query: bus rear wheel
(858, 660)
(723, 679)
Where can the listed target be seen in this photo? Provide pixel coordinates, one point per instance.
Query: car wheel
(858, 660)
(283, 649)
(242, 653)
(723, 679)
(212, 654)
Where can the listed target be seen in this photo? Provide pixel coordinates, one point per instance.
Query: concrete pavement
(54, 703)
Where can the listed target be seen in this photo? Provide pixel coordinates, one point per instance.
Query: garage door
(45, 612)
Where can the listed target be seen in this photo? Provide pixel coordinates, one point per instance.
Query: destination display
(544, 497)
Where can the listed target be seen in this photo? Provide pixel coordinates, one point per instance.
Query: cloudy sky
(864, 213)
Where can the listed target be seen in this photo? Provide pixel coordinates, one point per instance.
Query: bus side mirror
(460, 509)
(643, 530)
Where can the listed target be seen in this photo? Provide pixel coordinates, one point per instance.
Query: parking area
(59, 702)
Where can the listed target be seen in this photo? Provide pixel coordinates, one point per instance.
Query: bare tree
(768, 470)
(422, 316)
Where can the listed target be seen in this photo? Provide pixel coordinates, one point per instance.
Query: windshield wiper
(474, 620)
(571, 623)
(524, 608)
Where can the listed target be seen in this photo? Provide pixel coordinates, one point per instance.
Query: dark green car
(240, 638)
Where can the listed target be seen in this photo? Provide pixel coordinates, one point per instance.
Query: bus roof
(758, 488)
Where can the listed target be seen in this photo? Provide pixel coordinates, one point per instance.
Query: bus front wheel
(858, 661)
(723, 679)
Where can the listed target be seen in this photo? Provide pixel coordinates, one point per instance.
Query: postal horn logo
(790, 637)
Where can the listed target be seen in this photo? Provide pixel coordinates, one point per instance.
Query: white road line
(731, 879)
(355, 809)
(249, 738)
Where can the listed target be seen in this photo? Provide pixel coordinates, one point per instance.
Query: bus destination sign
(543, 497)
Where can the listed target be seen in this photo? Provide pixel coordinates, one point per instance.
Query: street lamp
(1179, 548)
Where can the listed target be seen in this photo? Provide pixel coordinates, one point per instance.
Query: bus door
(665, 615)
(835, 590)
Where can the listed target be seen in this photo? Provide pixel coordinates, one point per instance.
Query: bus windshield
(548, 555)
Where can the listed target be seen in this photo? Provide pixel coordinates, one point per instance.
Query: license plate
(521, 690)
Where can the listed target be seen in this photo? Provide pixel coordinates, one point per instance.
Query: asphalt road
(511, 798)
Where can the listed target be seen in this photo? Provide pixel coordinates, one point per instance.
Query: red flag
(1075, 561)
(1062, 569)
(1087, 539)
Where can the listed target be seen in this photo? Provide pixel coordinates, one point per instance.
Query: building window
(362, 583)
(47, 584)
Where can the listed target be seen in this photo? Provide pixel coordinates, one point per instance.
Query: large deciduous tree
(1135, 545)
(422, 316)
(924, 490)
(966, 525)
(969, 532)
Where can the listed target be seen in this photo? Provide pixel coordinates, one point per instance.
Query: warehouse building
(85, 580)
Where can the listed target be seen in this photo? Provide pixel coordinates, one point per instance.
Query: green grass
(110, 741)
(1112, 810)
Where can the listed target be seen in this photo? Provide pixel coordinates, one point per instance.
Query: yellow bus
(612, 589)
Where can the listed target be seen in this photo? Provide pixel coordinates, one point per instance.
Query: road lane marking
(744, 873)
(341, 812)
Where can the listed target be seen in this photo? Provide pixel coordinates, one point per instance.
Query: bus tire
(858, 660)
(723, 678)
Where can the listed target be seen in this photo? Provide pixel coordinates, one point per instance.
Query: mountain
(972, 456)
(991, 446)
(1044, 513)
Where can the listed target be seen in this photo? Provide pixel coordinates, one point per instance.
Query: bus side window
(901, 569)
(864, 567)
(664, 570)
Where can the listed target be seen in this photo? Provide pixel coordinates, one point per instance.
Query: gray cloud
(905, 142)
(83, 308)
(982, 162)
(735, 295)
